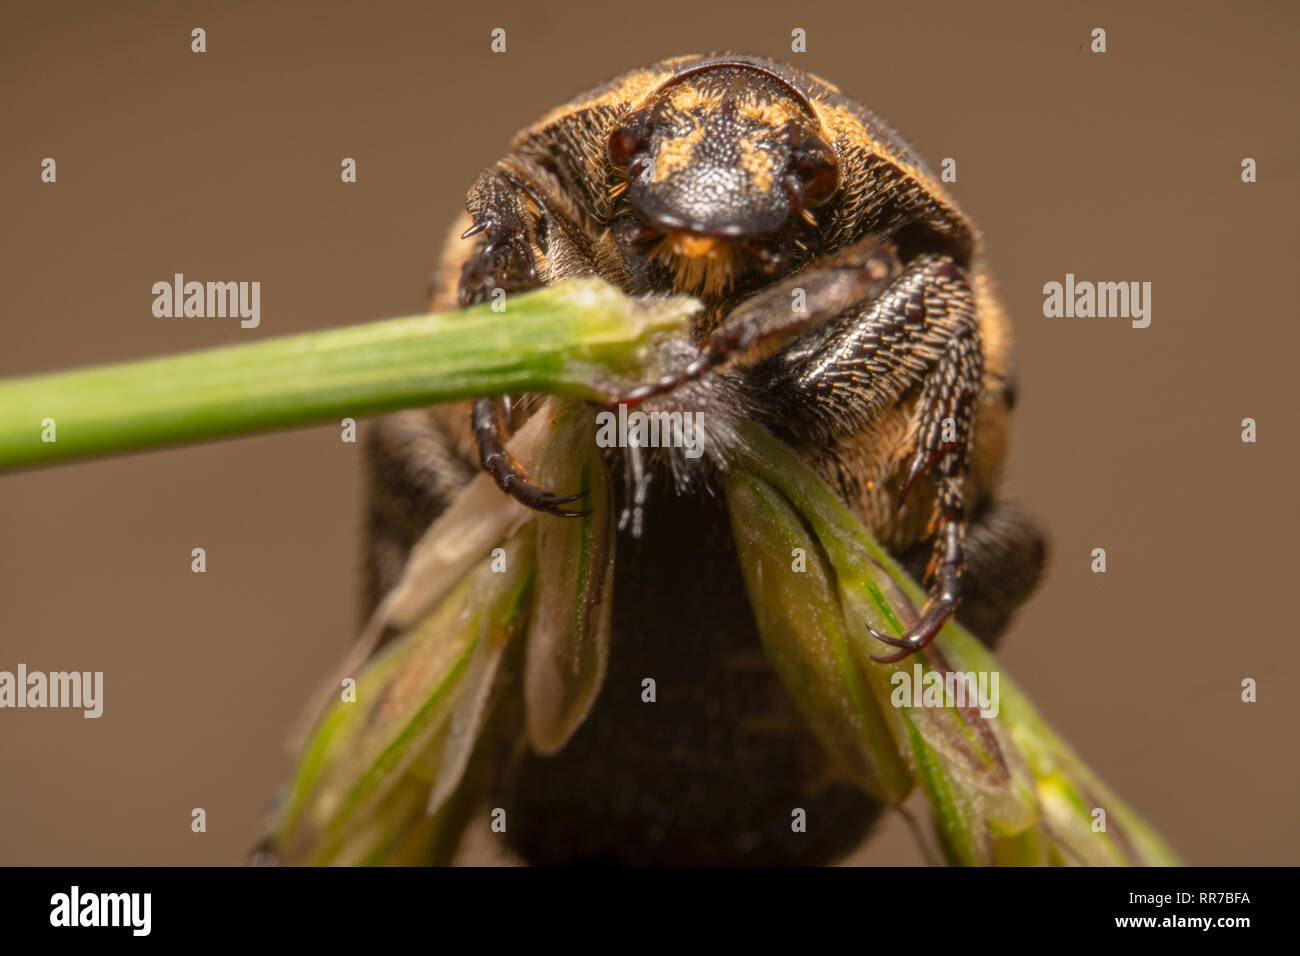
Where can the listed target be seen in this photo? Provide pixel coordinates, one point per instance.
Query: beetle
(847, 306)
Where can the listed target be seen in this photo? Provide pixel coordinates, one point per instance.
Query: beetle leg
(809, 298)
(504, 257)
(507, 472)
(945, 592)
(922, 333)
(510, 218)
(1005, 550)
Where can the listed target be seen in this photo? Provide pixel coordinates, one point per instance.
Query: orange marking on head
(758, 164)
(675, 153)
(687, 245)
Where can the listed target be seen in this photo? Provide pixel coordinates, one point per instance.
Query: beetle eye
(817, 171)
(626, 140)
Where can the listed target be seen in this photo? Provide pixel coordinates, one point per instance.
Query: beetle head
(717, 162)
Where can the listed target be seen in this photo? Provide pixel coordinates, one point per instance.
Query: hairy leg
(919, 338)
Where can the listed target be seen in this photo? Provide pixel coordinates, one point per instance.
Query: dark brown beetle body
(737, 180)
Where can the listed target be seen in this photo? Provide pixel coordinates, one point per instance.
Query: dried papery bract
(568, 637)
(375, 782)
(479, 520)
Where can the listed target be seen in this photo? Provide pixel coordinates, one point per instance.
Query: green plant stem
(580, 338)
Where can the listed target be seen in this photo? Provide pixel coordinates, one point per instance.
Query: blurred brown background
(225, 166)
